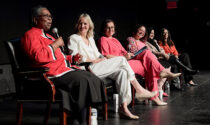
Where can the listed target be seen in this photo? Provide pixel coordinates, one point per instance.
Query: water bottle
(116, 102)
(161, 95)
(94, 115)
(167, 88)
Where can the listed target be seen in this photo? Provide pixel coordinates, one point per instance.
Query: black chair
(109, 84)
(32, 84)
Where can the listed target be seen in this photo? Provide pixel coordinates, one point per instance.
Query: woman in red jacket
(182, 60)
(78, 88)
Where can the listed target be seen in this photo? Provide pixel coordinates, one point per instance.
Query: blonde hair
(90, 32)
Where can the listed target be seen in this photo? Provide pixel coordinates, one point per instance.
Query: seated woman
(135, 42)
(182, 60)
(118, 69)
(156, 49)
(79, 89)
(144, 64)
(163, 58)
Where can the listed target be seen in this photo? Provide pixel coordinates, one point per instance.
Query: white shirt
(77, 44)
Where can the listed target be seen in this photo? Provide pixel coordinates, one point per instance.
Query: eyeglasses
(110, 27)
(46, 16)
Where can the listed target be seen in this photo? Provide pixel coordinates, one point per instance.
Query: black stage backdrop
(189, 24)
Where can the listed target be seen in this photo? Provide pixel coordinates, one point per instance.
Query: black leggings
(185, 59)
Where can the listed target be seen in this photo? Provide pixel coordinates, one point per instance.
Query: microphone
(55, 32)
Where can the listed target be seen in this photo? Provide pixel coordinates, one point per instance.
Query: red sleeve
(69, 58)
(104, 46)
(37, 48)
(175, 52)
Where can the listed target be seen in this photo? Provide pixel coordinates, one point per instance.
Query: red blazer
(169, 50)
(38, 48)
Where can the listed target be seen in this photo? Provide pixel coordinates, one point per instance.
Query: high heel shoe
(125, 116)
(161, 104)
(191, 83)
(165, 94)
(142, 97)
(164, 74)
(158, 102)
(187, 69)
(192, 72)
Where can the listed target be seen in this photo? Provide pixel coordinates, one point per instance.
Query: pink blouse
(134, 45)
(111, 46)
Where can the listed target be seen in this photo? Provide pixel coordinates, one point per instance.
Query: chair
(109, 84)
(141, 80)
(32, 84)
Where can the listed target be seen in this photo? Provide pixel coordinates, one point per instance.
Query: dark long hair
(134, 30)
(103, 26)
(169, 40)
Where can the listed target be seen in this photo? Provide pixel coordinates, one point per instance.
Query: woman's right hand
(128, 55)
(166, 56)
(58, 43)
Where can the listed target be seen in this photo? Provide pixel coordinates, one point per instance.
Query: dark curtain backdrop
(189, 24)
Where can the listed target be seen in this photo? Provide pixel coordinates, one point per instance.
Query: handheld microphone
(55, 32)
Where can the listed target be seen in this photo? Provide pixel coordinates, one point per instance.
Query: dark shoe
(192, 72)
(185, 68)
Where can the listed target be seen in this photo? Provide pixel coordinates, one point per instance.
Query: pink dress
(145, 64)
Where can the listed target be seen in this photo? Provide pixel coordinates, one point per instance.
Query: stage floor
(188, 107)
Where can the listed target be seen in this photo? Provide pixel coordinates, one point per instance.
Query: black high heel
(187, 69)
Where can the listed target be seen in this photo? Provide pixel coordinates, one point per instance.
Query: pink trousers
(147, 65)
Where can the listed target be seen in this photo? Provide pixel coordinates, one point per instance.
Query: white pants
(117, 69)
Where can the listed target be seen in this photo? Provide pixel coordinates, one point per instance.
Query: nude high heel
(158, 102)
(165, 74)
(142, 96)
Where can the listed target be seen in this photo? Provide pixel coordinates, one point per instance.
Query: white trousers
(119, 70)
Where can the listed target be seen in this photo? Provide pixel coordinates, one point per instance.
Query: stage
(188, 107)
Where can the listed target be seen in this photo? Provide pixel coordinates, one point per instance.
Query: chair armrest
(52, 89)
(32, 70)
(86, 65)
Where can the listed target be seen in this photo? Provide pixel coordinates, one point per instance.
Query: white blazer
(77, 44)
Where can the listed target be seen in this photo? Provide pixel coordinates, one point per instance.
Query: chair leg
(63, 115)
(106, 107)
(181, 80)
(133, 97)
(89, 116)
(47, 113)
(19, 113)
